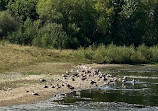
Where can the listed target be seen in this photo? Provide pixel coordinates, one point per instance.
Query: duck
(124, 79)
(134, 80)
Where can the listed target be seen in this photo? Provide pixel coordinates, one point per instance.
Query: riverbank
(83, 78)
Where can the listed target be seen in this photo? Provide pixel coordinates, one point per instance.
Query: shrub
(25, 33)
(142, 54)
(99, 54)
(113, 54)
(51, 36)
(118, 54)
(154, 53)
(7, 23)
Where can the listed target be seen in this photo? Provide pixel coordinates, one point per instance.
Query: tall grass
(121, 54)
(15, 56)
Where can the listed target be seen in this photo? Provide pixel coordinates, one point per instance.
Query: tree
(7, 23)
(76, 16)
(51, 36)
(2, 5)
(23, 9)
(150, 36)
(130, 27)
(25, 33)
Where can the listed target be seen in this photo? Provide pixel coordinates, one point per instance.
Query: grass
(15, 57)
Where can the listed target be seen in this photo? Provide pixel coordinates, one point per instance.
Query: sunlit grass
(17, 57)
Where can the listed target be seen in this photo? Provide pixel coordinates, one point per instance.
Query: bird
(27, 91)
(92, 82)
(83, 78)
(70, 87)
(123, 81)
(42, 80)
(53, 87)
(45, 86)
(73, 79)
(125, 78)
(134, 80)
(36, 94)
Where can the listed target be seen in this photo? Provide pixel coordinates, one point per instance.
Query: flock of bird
(83, 75)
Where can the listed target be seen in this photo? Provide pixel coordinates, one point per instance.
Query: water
(139, 96)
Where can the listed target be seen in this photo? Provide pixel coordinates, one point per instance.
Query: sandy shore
(27, 94)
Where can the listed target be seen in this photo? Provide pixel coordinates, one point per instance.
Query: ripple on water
(83, 106)
(142, 77)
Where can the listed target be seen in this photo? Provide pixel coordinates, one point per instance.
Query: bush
(7, 23)
(99, 54)
(142, 55)
(25, 33)
(51, 36)
(154, 54)
(23, 9)
(111, 54)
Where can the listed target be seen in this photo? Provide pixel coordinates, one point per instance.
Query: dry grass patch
(45, 68)
(14, 56)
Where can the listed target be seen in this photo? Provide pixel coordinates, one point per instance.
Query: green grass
(14, 56)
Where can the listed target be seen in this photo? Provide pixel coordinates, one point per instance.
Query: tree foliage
(7, 23)
(75, 23)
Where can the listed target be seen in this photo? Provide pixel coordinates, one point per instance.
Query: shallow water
(139, 96)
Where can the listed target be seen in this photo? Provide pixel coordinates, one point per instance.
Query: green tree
(50, 10)
(76, 16)
(25, 33)
(130, 30)
(7, 23)
(23, 8)
(2, 5)
(150, 36)
(104, 11)
(116, 22)
(51, 36)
